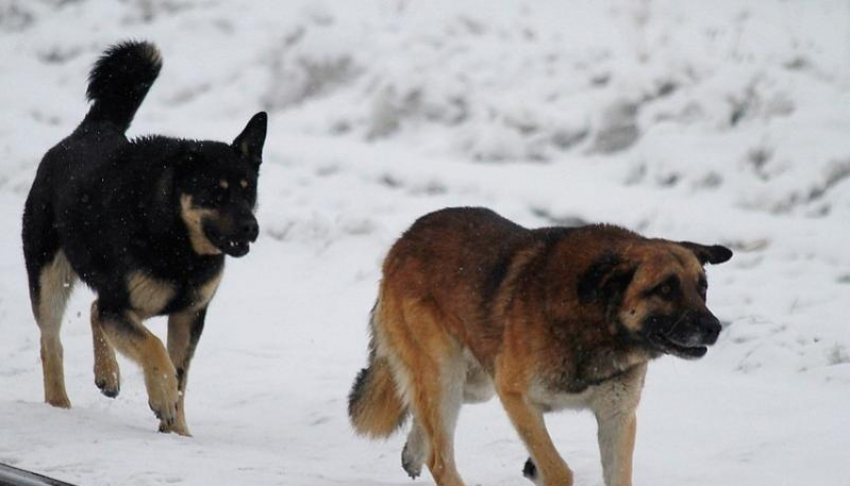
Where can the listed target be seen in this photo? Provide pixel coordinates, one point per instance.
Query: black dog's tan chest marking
(150, 296)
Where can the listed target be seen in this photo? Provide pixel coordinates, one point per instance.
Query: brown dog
(553, 317)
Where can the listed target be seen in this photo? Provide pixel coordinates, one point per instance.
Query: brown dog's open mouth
(666, 345)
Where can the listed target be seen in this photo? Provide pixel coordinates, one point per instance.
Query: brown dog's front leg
(616, 447)
(551, 470)
(614, 408)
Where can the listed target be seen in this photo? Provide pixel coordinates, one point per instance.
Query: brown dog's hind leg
(107, 375)
(127, 334)
(437, 373)
(415, 450)
(49, 298)
(184, 331)
(436, 403)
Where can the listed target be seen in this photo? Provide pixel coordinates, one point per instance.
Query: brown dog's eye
(666, 289)
(702, 288)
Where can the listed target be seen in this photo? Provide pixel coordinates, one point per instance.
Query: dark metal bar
(12, 476)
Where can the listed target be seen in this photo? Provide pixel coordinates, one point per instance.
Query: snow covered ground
(723, 121)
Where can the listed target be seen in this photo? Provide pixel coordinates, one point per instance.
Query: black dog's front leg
(126, 333)
(184, 331)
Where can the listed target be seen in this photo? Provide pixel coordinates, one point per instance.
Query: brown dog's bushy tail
(119, 82)
(374, 406)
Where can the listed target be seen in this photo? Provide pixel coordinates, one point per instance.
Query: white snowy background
(716, 121)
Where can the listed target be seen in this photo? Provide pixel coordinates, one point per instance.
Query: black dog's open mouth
(668, 346)
(234, 247)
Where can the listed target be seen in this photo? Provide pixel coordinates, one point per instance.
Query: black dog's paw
(167, 416)
(530, 470)
(107, 390)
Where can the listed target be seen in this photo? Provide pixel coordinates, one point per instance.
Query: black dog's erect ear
(708, 254)
(605, 278)
(250, 142)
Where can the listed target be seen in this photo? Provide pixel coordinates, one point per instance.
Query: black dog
(145, 223)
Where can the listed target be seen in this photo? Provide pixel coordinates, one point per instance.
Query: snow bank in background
(720, 121)
(735, 101)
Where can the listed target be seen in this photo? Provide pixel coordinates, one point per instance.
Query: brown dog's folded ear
(250, 142)
(606, 277)
(708, 254)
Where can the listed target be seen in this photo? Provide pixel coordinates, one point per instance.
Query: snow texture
(723, 121)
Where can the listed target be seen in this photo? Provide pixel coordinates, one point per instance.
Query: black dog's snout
(249, 229)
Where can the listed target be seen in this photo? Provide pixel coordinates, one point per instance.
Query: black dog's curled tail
(119, 81)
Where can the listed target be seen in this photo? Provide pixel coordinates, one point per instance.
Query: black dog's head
(656, 293)
(217, 186)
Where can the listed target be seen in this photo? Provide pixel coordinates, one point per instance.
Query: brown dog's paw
(530, 470)
(411, 461)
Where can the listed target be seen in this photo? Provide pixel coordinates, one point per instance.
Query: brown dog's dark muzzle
(685, 335)
(695, 328)
(709, 326)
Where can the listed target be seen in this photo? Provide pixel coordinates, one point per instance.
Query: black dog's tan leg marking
(614, 408)
(128, 335)
(148, 296)
(107, 375)
(184, 331)
(56, 280)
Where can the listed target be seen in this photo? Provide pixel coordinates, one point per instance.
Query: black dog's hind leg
(184, 331)
(124, 330)
(107, 375)
(50, 287)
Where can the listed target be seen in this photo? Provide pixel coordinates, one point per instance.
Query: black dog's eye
(219, 194)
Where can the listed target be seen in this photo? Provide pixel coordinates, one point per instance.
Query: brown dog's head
(655, 292)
